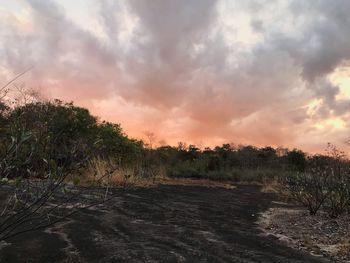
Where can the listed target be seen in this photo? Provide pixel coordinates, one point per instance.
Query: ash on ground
(320, 235)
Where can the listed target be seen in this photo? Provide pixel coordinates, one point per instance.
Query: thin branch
(15, 78)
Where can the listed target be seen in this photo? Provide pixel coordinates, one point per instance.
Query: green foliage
(112, 142)
(226, 162)
(76, 180)
(259, 176)
(39, 135)
(297, 160)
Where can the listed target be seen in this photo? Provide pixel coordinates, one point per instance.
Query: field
(166, 223)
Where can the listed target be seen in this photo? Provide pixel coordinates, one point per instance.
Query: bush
(43, 131)
(324, 184)
(307, 188)
(338, 185)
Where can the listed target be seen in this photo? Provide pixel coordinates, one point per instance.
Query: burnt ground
(161, 224)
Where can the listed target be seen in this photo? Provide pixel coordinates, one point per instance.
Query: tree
(44, 144)
(113, 143)
(297, 159)
(150, 138)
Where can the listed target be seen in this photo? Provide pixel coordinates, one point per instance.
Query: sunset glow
(205, 72)
(341, 78)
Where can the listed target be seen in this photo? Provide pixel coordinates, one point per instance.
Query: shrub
(307, 188)
(338, 200)
(325, 183)
(61, 132)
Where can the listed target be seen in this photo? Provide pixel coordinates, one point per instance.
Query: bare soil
(319, 234)
(168, 223)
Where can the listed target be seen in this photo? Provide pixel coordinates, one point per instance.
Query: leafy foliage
(57, 131)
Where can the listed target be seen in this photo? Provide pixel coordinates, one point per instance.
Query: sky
(261, 72)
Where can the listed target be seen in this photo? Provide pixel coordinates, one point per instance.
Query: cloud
(326, 41)
(210, 71)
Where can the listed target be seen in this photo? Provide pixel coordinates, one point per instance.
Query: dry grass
(106, 172)
(194, 182)
(271, 187)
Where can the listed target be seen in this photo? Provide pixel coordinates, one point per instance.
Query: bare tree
(5, 88)
(151, 138)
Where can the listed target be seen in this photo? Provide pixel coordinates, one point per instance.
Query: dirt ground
(168, 223)
(319, 234)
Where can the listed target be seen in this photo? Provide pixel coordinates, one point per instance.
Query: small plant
(307, 188)
(126, 179)
(76, 180)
